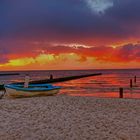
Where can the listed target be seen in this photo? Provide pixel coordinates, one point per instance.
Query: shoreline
(69, 117)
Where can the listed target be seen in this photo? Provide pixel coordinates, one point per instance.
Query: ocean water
(105, 85)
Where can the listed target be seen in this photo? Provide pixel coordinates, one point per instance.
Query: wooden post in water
(135, 79)
(51, 77)
(121, 92)
(131, 83)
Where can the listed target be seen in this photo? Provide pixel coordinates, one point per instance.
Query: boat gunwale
(32, 89)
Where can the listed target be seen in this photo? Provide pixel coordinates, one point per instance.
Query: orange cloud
(72, 56)
(46, 61)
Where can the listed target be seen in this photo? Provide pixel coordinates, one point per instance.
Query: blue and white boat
(18, 90)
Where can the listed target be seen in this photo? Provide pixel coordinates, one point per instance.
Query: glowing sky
(69, 34)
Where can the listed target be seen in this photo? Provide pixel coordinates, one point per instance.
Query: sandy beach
(65, 117)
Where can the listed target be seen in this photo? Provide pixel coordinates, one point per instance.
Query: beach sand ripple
(69, 118)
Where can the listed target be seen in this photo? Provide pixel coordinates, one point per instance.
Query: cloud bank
(47, 28)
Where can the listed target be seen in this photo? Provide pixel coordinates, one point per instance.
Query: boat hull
(17, 93)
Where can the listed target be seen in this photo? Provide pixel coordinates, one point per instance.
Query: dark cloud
(70, 21)
(3, 54)
(71, 18)
(129, 52)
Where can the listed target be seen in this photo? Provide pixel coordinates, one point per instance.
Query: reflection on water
(106, 85)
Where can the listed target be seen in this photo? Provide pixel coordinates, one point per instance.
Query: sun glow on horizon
(90, 58)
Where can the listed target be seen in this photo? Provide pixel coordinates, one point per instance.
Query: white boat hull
(17, 93)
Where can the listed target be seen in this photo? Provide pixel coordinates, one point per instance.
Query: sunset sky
(69, 34)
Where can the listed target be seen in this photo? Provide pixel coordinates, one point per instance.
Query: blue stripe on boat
(33, 87)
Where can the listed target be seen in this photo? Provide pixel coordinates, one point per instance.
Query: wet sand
(65, 117)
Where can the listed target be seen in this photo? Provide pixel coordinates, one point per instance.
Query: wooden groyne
(63, 79)
(8, 74)
(56, 80)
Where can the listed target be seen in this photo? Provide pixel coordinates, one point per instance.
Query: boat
(18, 90)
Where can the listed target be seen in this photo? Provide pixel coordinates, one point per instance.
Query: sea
(106, 85)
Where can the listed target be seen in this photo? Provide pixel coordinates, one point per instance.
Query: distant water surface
(106, 85)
